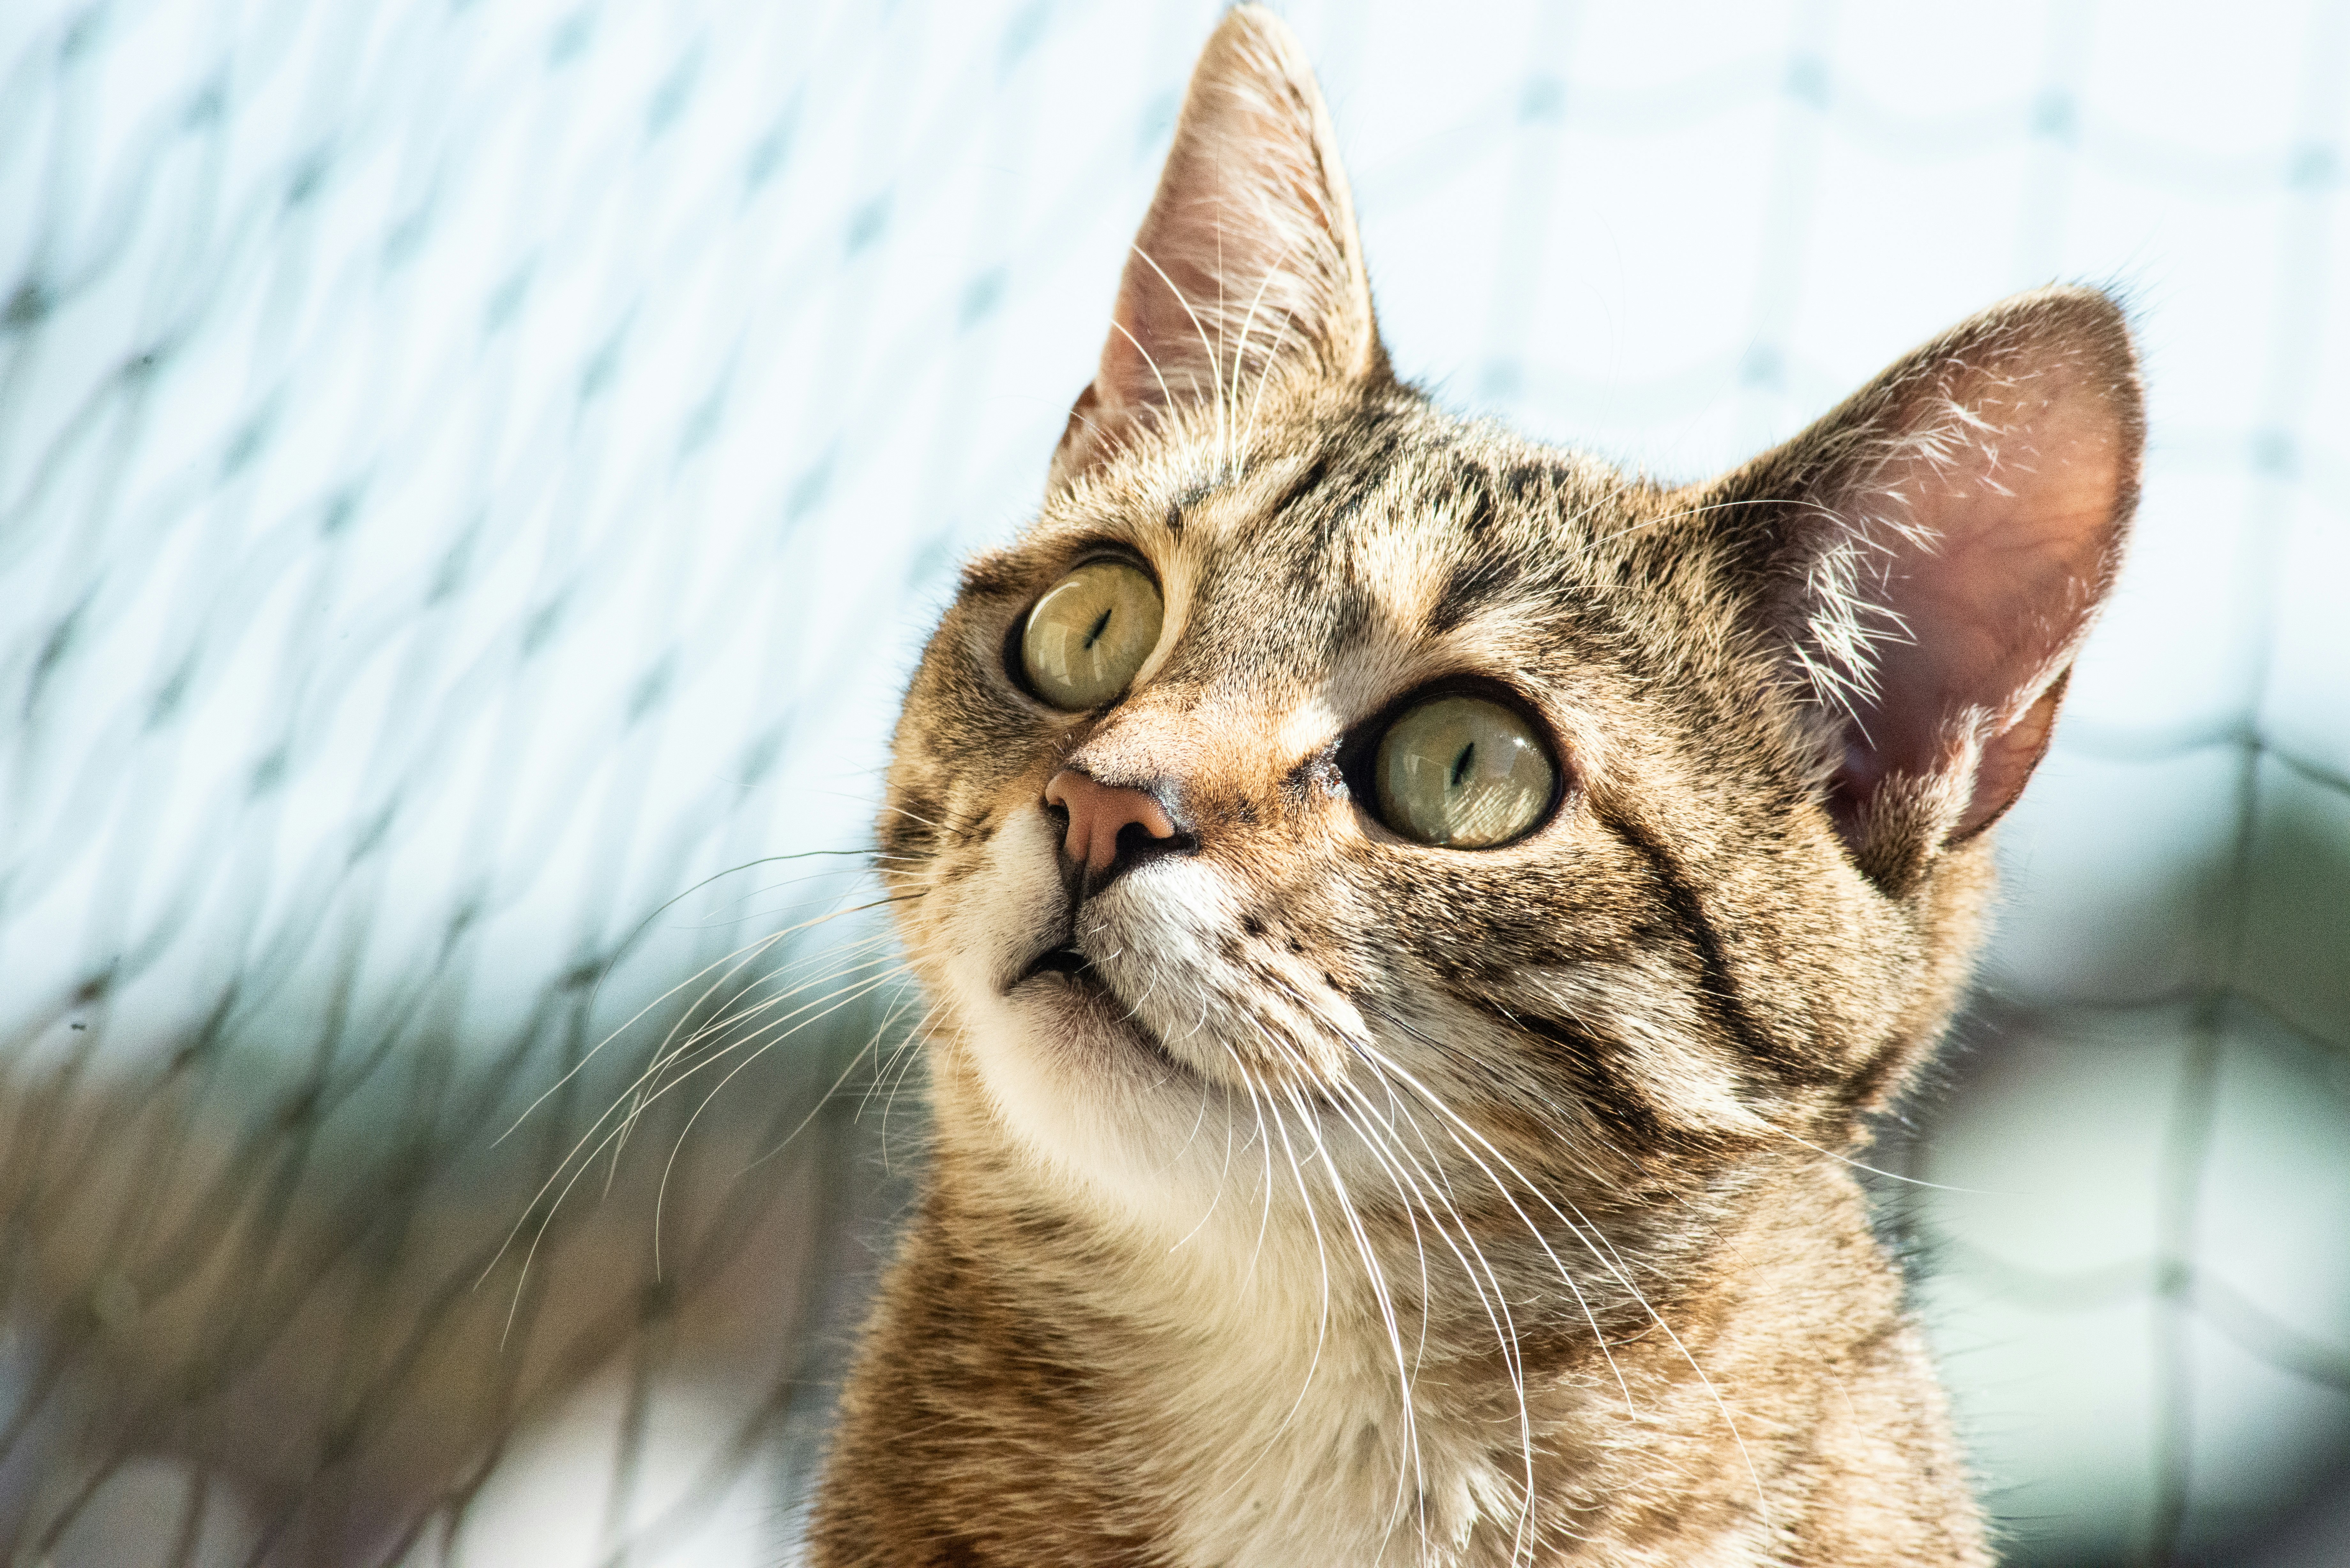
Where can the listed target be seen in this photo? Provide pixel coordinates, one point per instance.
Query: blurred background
(474, 475)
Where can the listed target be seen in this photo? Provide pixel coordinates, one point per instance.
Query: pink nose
(1098, 811)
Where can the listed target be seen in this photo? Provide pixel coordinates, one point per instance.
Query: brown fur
(1384, 1203)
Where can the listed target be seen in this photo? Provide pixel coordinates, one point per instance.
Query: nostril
(1136, 842)
(1108, 829)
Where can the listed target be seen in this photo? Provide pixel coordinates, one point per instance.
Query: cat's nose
(1110, 829)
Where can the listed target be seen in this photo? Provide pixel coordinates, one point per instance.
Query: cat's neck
(1247, 1408)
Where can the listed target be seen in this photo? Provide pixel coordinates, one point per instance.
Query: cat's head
(1321, 770)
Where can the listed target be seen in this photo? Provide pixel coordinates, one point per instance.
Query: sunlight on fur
(1306, 1189)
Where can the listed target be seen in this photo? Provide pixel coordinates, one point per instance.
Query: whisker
(557, 1179)
(1504, 1325)
(1720, 1404)
(722, 1026)
(1262, 1099)
(619, 1129)
(1240, 354)
(1215, 372)
(661, 1192)
(1413, 1467)
(871, 1046)
(1893, 1175)
(580, 1065)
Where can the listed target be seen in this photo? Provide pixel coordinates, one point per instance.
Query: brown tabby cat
(1417, 920)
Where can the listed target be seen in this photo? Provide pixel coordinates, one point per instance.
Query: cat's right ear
(1248, 264)
(1926, 559)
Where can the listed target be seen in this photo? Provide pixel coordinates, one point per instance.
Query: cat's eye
(1463, 772)
(1090, 633)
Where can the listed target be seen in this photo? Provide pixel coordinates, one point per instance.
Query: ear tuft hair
(1248, 264)
(1930, 556)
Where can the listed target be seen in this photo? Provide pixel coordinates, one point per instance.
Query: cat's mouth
(1072, 965)
(1064, 959)
(1077, 976)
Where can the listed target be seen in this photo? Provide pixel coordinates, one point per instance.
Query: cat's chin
(1089, 1091)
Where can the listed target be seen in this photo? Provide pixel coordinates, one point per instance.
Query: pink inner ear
(2011, 502)
(1248, 251)
(1248, 257)
(1183, 328)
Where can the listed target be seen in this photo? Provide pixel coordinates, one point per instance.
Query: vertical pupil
(1100, 623)
(1461, 764)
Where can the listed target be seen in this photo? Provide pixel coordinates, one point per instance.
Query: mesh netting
(473, 477)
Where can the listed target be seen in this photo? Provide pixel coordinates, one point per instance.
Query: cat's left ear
(1929, 558)
(1248, 262)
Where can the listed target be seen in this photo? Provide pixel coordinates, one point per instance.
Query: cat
(1417, 922)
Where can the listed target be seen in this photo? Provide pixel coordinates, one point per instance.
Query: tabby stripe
(1719, 995)
(1472, 586)
(1371, 451)
(1865, 1084)
(1303, 485)
(1521, 480)
(1476, 508)
(1588, 1063)
(908, 828)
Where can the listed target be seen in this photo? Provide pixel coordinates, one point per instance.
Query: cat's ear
(1248, 262)
(1929, 558)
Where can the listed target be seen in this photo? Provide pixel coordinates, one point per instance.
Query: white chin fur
(1142, 1109)
(1090, 1097)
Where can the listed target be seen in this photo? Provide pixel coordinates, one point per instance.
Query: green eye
(1463, 773)
(1088, 635)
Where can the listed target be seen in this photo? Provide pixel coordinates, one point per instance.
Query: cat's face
(1716, 891)
(1351, 563)
(1673, 959)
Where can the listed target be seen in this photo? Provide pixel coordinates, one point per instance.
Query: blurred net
(472, 477)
